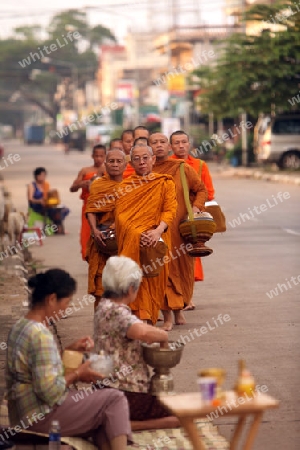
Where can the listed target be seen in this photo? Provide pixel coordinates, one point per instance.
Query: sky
(118, 15)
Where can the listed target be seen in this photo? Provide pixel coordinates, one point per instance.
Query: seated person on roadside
(38, 390)
(180, 144)
(101, 190)
(144, 210)
(38, 194)
(180, 284)
(83, 181)
(119, 333)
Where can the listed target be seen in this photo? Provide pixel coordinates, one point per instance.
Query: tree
(255, 73)
(29, 67)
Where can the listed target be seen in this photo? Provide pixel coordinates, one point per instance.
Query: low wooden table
(188, 407)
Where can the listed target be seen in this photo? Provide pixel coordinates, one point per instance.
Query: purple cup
(208, 387)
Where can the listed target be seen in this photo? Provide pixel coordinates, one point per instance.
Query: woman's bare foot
(168, 322)
(155, 424)
(179, 317)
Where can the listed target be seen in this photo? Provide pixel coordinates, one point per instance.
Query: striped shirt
(34, 371)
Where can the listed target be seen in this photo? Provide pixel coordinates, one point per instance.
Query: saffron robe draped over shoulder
(141, 203)
(180, 284)
(85, 228)
(101, 191)
(129, 171)
(202, 170)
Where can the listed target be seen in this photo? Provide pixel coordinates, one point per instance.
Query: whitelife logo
(53, 47)
(256, 210)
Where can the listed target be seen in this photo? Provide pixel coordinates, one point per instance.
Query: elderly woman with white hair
(119, 333)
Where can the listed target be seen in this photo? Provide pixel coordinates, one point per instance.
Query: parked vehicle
(34, 134)
(279, 141)
(99, 134)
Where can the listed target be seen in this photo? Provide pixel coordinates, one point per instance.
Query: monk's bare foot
(168, 322)
(179, 317)
(189, 307)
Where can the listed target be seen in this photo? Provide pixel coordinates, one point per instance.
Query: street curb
(259, 175)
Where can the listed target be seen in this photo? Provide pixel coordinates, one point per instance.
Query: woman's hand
(164, 344)
(84, 344)
(85, 373)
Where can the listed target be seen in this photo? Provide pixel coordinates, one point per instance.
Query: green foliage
(236, 151)
(36, 82)
(254, 72)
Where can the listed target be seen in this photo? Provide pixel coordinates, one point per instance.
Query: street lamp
(74, 72)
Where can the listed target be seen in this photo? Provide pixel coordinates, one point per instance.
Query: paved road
(248, 262)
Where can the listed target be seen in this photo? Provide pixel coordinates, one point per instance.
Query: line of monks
(136, 188)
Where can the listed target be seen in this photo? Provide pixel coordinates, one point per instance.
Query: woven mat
(170, 439)
(176, 439)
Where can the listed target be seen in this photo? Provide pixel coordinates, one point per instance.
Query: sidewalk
(257, 173)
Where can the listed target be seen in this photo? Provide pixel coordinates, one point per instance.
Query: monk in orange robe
(127, 142)
(180, 146)
(140, 132)
(83, 182)
(145, 207)
(101, 191)
(181, 276)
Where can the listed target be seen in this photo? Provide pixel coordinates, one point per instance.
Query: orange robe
(129, 171)
(142, 202)
(100, 191)
(201, 168)
(85, 228)
(180, 285)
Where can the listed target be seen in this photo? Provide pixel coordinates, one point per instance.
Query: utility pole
(244, 141)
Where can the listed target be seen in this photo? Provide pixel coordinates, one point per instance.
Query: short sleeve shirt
(34, 372)
(112, 321)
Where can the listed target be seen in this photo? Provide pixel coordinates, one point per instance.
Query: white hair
(139, 145)
(113, 150)
(119, 274)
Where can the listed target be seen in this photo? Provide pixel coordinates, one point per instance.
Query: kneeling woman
(37, 387)
(118, 332)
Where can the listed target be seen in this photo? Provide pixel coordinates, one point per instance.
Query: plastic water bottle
(54, 436)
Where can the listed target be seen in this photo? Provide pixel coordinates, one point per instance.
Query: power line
(110, 8)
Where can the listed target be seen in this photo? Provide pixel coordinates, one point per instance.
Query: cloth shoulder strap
(186, 192)
(200, 167)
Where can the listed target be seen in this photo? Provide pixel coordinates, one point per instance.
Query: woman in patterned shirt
(119, 333)
(38, 390)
